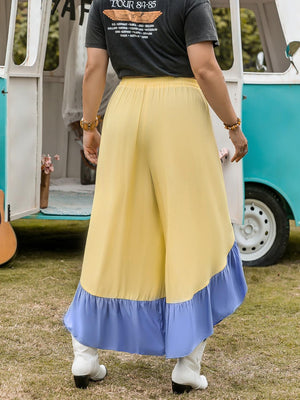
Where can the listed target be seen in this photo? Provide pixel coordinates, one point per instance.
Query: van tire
(263, 238)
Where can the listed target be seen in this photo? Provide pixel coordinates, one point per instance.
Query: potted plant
(47, 167)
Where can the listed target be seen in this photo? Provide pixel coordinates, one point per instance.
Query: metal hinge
(8, 212)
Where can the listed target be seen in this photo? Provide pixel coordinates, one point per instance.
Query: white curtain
(75, 65)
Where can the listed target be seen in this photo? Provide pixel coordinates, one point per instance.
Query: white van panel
(23, 147)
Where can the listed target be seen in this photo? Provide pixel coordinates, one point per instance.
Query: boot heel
(179, 389)
(81, 382)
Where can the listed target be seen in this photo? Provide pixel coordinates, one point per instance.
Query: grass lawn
(254, 354)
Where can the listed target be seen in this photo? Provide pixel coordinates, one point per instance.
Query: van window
(251, 42)
(224, 52)
(4, 26)
(262, 32)
(20, 38)
(52, 52)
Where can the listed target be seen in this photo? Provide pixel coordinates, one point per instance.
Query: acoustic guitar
(8, 240)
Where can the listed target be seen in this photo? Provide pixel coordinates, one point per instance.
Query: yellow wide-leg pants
(160, 232)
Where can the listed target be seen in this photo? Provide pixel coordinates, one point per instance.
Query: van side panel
(271, 122)
(3, 113)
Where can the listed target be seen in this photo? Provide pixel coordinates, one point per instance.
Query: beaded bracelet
(87, 126)
(234, 126)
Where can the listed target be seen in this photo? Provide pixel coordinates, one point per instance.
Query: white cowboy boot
(86, 365)
(186, 374)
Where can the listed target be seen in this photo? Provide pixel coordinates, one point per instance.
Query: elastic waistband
(162, 81)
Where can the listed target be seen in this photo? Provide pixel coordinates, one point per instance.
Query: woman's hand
(240, 143)
(91, 144)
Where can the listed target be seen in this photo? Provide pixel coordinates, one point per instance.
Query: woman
(161, 266)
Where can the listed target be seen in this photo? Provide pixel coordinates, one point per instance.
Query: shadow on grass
(292, 254)
(56, 237)
(36, 237)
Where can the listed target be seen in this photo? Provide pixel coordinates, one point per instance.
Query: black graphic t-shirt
(149, 38)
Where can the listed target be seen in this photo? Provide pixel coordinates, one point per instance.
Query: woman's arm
(211, 81)
(92, 92)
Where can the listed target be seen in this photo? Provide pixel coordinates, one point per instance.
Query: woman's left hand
(240, 143)
(91, 144)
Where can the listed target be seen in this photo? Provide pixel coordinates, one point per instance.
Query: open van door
(233, 172)
(21, 108)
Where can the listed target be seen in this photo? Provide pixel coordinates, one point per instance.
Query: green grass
(254, 354)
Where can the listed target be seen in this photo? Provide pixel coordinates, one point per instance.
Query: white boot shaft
(86, 361)
(187, 369)
(193, 360)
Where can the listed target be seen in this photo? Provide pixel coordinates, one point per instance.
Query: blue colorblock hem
(156, 327)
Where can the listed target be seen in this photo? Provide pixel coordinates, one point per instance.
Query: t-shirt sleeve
(95, 34)
(199, 24)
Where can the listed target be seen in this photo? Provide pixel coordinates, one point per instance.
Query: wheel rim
(257, 235)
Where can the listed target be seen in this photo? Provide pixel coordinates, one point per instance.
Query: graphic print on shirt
(133, 24)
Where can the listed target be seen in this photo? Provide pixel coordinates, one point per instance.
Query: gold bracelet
(88, 126)
(234, 126)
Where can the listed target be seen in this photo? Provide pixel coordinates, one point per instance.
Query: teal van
(271, 122)
(258, 54)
